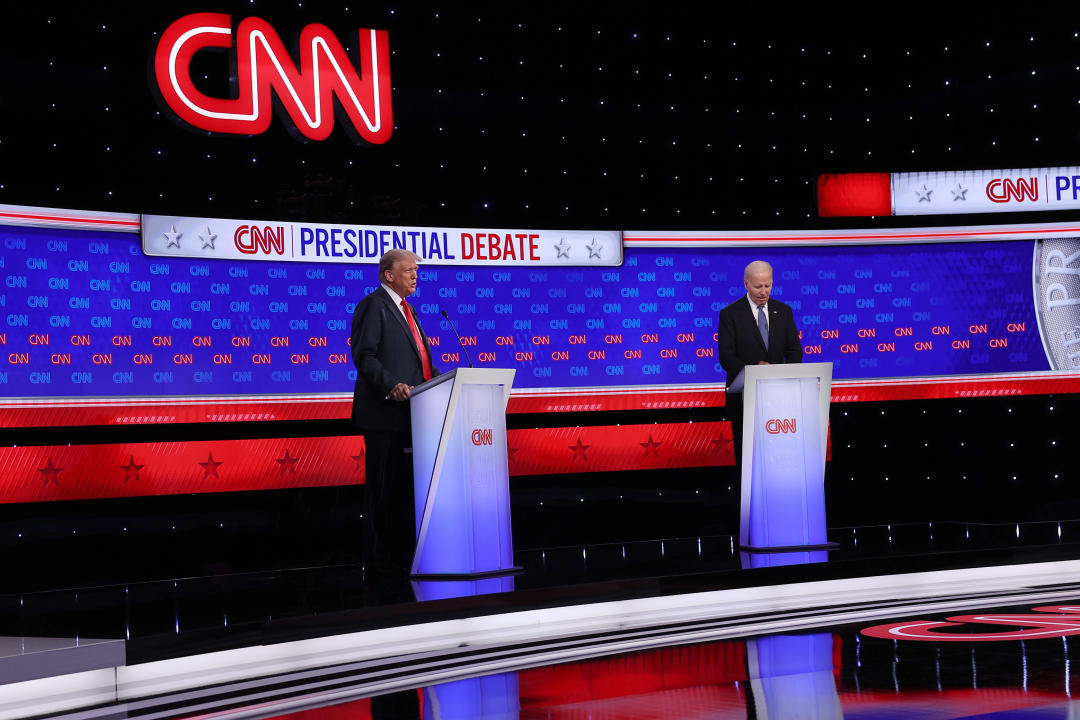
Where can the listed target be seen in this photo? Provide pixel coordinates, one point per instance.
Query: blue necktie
(763, 326)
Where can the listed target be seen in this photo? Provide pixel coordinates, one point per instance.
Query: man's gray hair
(758, 266)
(386, 262)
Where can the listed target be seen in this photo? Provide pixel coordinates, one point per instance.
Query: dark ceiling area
(576, 115)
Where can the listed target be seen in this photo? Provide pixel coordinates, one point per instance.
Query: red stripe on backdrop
(82, 472)
(607, 448)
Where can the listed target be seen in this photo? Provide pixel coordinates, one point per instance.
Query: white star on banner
(924, 193)
(594, 249)
(208, 241)
(959, 193)
(173, 237)
(562, 250)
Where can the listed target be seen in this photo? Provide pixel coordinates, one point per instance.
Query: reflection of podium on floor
(785, 432)
(460, 475)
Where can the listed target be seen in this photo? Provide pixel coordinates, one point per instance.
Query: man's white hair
(758, 266)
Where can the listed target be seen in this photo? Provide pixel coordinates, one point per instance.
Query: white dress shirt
(397, 300)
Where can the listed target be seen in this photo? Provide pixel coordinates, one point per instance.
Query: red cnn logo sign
(1004, 190)
(481, 437)
(776, 426)
(250, 239)
(264, 68)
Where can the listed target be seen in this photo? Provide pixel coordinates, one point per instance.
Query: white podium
(785, 431)
(460, 475)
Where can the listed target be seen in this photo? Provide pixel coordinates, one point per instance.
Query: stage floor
(666, 628)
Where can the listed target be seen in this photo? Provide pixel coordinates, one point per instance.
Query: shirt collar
(393, 295)
(754, 305)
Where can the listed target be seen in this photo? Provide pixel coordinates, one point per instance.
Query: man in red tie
(392, 355)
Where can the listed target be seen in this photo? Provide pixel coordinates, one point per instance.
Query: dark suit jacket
(740, 342)
(385, 354)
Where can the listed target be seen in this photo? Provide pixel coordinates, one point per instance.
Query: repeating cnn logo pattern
(263, 68)
(1052, 621)
(482, 437)
(775, 426)
(1003, 190)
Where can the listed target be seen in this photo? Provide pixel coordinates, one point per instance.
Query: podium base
(787, 548)
(514, 570)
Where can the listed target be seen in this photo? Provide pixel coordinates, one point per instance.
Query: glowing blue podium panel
(791, 676)
(785, 431)
(460, 474)
(490, 697)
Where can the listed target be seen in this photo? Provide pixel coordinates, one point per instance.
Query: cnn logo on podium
(482, 437)
(775, 426)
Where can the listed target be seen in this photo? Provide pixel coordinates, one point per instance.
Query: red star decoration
(359, 460)
(650, 446)
(721, 444)
(287, 463)
(131, 470)
(510, 451)
(579, 449)
(51, 473)
(210, 467)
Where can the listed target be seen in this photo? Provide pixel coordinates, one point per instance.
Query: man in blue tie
(754, 330)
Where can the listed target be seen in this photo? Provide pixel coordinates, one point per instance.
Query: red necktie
(424, 359)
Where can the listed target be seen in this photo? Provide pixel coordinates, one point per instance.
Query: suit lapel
(395, 311)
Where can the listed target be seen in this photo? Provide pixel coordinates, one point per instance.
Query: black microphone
(451, 322)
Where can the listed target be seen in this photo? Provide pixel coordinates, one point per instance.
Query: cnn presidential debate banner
(237, 310)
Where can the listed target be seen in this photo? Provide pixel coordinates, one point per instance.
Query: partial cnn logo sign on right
(949, 192)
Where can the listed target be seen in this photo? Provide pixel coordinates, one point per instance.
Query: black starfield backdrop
(583, 115)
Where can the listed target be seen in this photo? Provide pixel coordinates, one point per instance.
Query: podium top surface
(789, 370)
(469, 376)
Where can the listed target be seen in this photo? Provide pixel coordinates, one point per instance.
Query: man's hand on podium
(400, 392)
(763, 363)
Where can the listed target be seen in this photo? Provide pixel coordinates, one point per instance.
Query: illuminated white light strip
(29, 215)
(496, 662)
(56, 694)
(629, 626)
(316, 42)
(551, 624)
(964, 233)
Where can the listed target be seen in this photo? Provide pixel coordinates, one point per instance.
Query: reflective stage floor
(683, 627)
